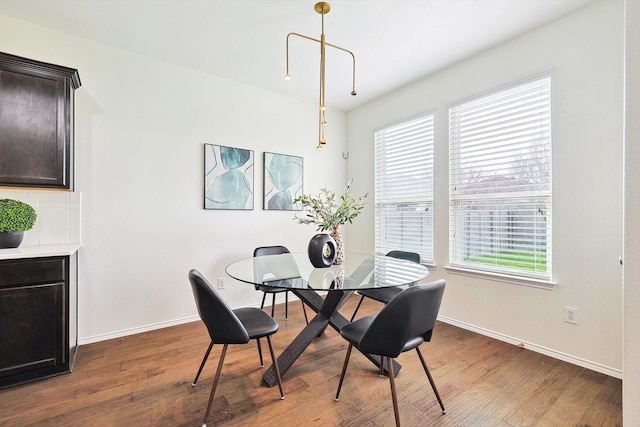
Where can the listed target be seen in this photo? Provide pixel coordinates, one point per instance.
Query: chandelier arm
(353, 57)
(287, 76)
(304, 37)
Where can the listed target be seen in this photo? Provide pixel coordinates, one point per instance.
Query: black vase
(10, 239)
(322, 250)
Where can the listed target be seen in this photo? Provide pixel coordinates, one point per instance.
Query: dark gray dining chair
(227, 326)
(384, 295)
(275, 250)
(402, 325)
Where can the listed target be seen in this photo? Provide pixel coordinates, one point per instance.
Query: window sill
(506, 278)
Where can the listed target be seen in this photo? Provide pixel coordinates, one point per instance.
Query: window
(404, 187)
(500, 181)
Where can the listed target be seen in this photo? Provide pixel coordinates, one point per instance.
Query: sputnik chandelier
(322, 8)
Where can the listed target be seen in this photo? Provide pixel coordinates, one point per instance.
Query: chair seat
(257, 323)
(270, 289)
(383, 295)
(282, 286)
(354, 331)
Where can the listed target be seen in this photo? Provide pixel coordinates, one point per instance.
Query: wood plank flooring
(145, 380)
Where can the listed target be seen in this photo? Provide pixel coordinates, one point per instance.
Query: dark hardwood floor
(145, 380)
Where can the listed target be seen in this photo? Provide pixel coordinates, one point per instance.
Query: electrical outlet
(220, 282)
(571, 315)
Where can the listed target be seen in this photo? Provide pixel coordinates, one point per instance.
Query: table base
(327, 315)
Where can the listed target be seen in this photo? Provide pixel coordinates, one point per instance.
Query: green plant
(327, 210)
(16, 216)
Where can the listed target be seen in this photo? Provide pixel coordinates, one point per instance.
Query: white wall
(631, 383)
(585, 50)
(140, 129)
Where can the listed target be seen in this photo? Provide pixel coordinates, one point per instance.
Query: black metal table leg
(327, 315)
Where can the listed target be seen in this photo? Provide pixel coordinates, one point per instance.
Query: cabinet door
(32, 137)
(34, 313)
(31, 338)
(36, 129)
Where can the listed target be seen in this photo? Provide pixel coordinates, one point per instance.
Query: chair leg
(304, 310)
(273, 303)
(215, 384)
(344, 371)
(353, 316)
(204, 360)
(394, 397)
(433, 384)
(286, 305)
(260, 353)
(275, 367)
(264, 296)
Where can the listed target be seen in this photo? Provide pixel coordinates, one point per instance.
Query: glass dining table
(294, 271)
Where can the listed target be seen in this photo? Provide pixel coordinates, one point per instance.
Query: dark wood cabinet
(37, 319)
(36, 123)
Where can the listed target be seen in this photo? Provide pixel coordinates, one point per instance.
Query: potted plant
(328, 211)
(16, 217)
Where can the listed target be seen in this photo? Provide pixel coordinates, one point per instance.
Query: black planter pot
(10, 239)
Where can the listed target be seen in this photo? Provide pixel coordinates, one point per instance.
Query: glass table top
(357, 271)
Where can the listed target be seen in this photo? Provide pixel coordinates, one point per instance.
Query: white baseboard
(616, 373)
(152, 327)
(132, 331)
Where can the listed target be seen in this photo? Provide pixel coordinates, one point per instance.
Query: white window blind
(404, 187)
(500, 181)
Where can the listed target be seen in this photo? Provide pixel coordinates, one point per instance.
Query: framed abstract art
(282, 181)
(228, 177)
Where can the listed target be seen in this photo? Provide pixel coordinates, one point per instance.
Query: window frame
(542, 193)
(388, 193)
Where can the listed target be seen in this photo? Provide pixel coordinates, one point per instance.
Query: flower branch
(327, 210)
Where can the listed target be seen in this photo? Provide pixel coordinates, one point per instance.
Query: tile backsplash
(58, 215)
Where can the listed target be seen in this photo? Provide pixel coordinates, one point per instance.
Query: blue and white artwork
(282, 181)
(228, 177)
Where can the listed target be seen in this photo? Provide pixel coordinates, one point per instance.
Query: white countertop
(39, 251)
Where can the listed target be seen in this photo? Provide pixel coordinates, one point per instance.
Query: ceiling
(394, 42)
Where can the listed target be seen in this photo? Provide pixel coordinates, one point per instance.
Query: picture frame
(283, 181)
(228, 177)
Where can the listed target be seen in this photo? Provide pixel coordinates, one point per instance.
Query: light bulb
(287, 76)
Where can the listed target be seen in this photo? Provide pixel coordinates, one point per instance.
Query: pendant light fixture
(322, 8)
